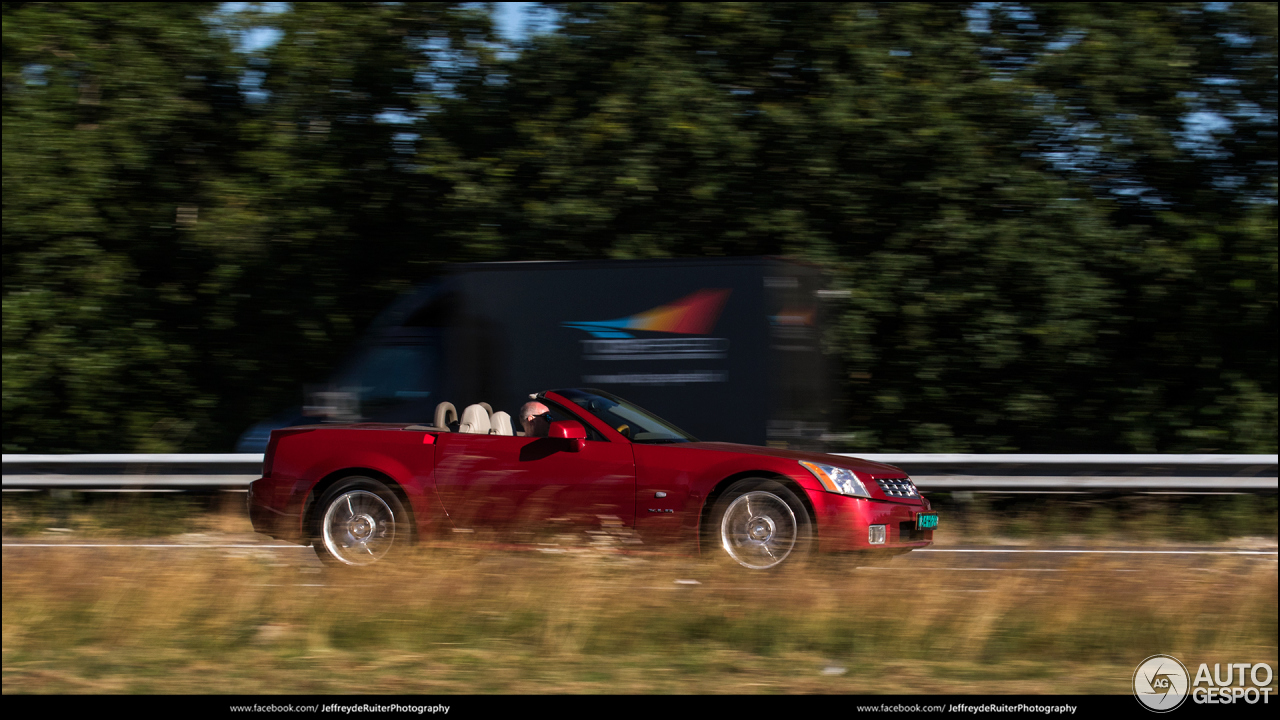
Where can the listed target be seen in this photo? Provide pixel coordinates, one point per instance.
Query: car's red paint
(451, 481)
(304, 459)
(491, 481)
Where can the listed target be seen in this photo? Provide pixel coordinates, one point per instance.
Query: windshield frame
(677, 435)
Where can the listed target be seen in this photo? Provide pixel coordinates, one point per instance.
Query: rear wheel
(760, 524)
(360, 521)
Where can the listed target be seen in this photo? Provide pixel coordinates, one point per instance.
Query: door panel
(671, 471)
(519, 483)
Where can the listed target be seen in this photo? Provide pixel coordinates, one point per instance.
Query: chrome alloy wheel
(759, 530)
(358, 528)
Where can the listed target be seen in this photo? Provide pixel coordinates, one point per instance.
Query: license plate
(926, 521)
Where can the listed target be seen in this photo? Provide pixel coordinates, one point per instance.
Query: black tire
(761, 525)
(359, 522)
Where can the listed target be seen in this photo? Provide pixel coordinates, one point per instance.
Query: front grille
(898, 487)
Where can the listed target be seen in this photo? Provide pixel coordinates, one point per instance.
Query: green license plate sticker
(926, 521)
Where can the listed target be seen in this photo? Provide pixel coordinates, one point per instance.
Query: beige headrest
(501, 423)
(474, 420)
(445, 414)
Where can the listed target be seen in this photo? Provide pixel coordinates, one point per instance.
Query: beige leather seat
(445, 414)
(501, 424)
(474, 420)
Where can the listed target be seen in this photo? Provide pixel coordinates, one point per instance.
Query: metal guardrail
(931, 471)
(223, 471)
(1086, 473)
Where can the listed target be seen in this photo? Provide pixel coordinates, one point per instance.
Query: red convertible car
(591, 462)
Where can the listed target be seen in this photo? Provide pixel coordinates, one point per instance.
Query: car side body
(592, 477)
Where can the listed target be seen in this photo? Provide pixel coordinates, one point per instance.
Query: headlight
(837, 479)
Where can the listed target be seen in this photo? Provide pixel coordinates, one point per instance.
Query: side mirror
(569, 430)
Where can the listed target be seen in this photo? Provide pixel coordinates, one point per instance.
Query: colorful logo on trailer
(694, 314)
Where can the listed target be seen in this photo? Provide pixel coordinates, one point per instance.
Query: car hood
(852, 463)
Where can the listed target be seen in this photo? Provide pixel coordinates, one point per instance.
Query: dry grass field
(465, 619)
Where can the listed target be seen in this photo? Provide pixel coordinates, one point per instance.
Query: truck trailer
(728, 349)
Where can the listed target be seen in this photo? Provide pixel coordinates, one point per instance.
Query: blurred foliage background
(1057, 221)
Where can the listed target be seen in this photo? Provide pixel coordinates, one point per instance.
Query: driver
(535, 417)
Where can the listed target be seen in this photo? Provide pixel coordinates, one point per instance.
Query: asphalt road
(968, 559)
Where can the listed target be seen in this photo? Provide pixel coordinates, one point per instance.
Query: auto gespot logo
(1162, 683)
(694, 314)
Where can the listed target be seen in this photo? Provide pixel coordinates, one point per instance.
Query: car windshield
(635, 422)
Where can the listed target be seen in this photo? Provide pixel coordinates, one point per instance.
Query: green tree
(178, 260)
(1008, 292)
(1167, 113)
(1056, 222)
(333, 215)
(114, 129)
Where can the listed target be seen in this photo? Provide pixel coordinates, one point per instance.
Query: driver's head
(533, 416)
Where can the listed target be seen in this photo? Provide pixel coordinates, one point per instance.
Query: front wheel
(760, 524)
(360, 521)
